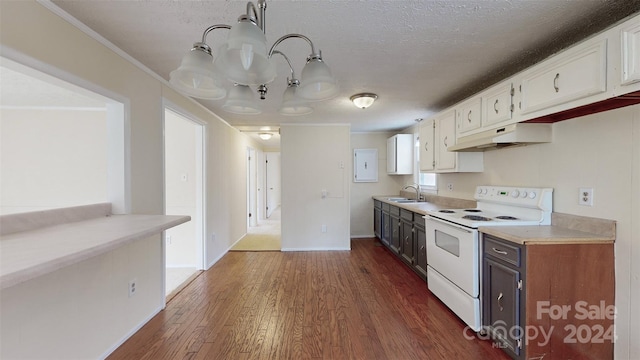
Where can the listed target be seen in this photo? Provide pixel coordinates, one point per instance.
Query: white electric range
(453, 246)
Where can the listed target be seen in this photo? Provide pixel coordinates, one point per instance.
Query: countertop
(544, 234)
(29, 254)
(416, 207)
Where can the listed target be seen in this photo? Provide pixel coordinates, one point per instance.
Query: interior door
(273, 182)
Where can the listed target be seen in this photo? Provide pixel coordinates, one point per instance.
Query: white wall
(601, 151)
(315, 158)
(180, 195)
(32, 34)
(46, 165)
(361, 202)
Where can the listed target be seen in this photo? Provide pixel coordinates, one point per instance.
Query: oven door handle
(459, 227)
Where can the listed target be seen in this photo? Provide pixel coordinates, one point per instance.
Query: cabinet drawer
(571, 77)
(394, 210)
(385, 207)
(377, 204)
(406, 215)
(499, 249)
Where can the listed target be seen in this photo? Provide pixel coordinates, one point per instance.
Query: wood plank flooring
(359, 304)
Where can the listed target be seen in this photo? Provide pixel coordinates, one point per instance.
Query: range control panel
(517, 196)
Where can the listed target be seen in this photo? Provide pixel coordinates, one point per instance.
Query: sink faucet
(417, 189)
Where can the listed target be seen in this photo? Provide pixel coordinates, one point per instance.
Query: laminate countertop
(28, 254)
(419, 207)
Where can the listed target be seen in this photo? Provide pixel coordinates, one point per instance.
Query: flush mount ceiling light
(363, 100)
(244, 59)
(265, 136)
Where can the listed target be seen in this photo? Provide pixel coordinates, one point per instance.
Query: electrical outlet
(450, 186)
(586, 196)
(132, 287)
(168, 239)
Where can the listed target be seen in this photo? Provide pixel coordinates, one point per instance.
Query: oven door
(452, 250)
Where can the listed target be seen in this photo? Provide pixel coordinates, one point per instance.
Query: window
(427, 181)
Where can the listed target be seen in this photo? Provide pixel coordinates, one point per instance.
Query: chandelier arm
(288, 36)
(251, 8)
(293, 75)
(211, 28)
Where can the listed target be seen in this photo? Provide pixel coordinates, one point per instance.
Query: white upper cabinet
(436, 136)
(630, 53)
(427, 146)
(575, 74)
(400, 154)
(469, 115)
(498, 104)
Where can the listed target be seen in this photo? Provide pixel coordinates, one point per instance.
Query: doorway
(184, 195)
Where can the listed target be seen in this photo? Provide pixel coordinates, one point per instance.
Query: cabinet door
(470, 115)
(365, 165)
(420, 264)
(630, 54)
(391, 154)
(446, 134)
(569, 77)
(407, 242)
(386, 228)
(394, 229)
(498, 105)
(427, 145)
(501, 310)
(377, 222)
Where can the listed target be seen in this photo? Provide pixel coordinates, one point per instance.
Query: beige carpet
(263, 237)
(258, 242)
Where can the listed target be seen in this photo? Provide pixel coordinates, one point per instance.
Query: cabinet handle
(469, 116)
(365, 165)
(445, 141)
(500, 251)
(425, 146)
(555, 82)
(495, 106)
(421, 247)
(500, 302)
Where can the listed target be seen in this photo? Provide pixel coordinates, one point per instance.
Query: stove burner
(506, 217)
(473, 210)
(446, 211)
(476, 218)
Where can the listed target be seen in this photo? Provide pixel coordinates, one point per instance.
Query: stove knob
(532, 195)
(484, 191)
(479, 191)
(523, 194)
(515, 193)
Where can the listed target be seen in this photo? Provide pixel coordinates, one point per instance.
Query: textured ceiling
(418, 56)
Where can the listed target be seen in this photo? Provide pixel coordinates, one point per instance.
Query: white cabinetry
(436, 135)
(400, 154)
(630, 53)
(427, 146)
(498, 104)
(469, 115)
(365, 165)
(572, 75)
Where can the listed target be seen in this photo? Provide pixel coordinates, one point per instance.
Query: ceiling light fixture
(245, 61)
(265, 136)
(363, 100)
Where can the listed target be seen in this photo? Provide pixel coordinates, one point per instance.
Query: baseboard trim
(130, 334)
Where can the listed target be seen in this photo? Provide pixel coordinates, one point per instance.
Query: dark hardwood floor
(359, 304)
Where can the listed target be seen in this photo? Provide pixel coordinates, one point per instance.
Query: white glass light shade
(316, 82)
(265, 136)
(243, 59)
(293, 105)
(364, 100)
(196, 77)
(241, 100)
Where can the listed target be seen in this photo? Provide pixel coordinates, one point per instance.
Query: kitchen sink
(396, 198)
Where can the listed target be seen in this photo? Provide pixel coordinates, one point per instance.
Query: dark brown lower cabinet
(549, 300)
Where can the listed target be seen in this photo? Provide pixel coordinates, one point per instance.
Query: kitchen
(599, 151)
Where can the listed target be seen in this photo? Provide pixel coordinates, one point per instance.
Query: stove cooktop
(503, 206)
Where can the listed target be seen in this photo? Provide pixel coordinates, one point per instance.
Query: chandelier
(244, 61)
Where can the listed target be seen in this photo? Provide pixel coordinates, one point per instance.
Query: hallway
(263, 237)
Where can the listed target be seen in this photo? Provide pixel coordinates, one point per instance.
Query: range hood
(506, 136)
